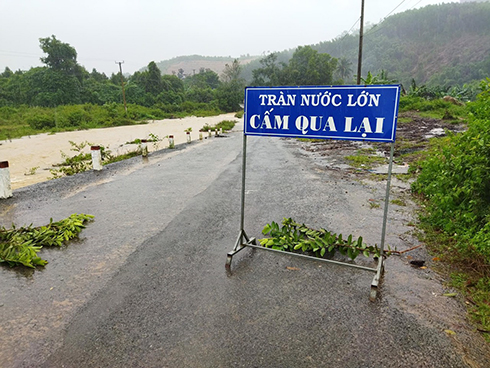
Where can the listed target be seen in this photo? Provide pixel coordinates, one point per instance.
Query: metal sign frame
(367, 134)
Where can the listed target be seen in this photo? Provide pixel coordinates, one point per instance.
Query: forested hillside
(441, 45)
(438, 45)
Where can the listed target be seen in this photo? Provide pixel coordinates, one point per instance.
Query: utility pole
(361, 37)
(122, 84)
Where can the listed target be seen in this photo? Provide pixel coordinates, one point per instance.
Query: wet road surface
(147, 287)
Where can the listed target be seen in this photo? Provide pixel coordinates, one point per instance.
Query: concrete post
(216, 132)
(188, 137)
(209, 133)
(144, 148)
(5, 186)
(96, 158)
(171, 142)
(200, 135)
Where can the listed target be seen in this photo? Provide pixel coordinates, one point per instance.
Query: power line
(375, 26)
(382, 20)
(376, 29)
(355, 24)
(394, 9)
(18, 54)
(348, 32)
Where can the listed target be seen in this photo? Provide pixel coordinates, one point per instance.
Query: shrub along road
(147, 287)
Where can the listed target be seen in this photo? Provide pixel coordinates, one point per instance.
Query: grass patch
(109, 159)
(436, 108)
(476, 290)
(398, 202)
(225, 125)
(405, 177)
(378, 177)
(404, 120)
(312, 140)
(365, 159)
(468, 275)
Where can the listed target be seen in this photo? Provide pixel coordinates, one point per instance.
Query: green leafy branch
(294, 237)
(73, 165)
(19, 246)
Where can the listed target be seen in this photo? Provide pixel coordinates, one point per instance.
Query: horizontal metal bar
(240, 246)
(314, 258)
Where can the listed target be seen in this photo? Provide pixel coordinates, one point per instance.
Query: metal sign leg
(380, 271)
(239, 245)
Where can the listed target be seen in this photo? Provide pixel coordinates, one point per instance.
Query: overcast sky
(140, 31)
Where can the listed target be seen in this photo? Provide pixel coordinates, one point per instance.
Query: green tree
(230, 93)
(153, 82)
(46, 87)
(116, 78)
(232, 72)
(181, 73)
(344, 68)
(60, 82)
(381, 78)
(99, 77)
(173, 83)
(60, 56)
(7, 73)
(308, 67)
(230, 96)
(201, 87)
(269, 74)
(206, 78)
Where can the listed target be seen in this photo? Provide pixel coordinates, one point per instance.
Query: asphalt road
(147, 287)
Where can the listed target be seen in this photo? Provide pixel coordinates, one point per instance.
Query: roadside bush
(72, 116)
(455, 181)
(41, 121)
(6, 112)
(225, 124)
(437, 108)
(119, 121)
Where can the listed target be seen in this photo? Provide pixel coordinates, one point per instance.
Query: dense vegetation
(62, 81)
(455, 178)
(454, 182)
(306, 67)
(62, 95)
